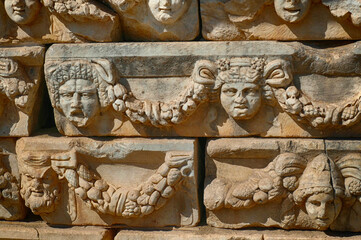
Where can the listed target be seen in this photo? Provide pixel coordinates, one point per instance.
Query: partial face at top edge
(292, 11)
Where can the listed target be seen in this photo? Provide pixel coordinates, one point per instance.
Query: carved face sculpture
(79, 101)
(40, 189)
(323, 208)
(292, 10)
(168, 11)
(22, 11)
(241, 100)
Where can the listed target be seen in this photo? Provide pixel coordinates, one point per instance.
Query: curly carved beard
(40, 204)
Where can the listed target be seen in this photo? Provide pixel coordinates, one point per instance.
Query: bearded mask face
(40, 190)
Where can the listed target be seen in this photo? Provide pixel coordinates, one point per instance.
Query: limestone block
(154, 20)
(11, 205)
(269, 89)
(40, 230)
(20, 78)
(211, 233)
(57, 21)
(285, 183)
(280, 19)
(133, 182)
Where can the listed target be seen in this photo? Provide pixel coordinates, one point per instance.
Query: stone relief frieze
(51, 180)
(280, 19)
(58, 21)
(226, 96)
(20, 78)
(154, 20)
(309, 190)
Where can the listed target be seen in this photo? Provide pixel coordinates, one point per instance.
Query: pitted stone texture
(269, 89)
(35, 21)
(135, 182)
(20, 79)
(11, 205)
(158, 20)
(285, 183)
(280, 20)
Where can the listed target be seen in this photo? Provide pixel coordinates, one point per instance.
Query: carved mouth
(37, 193)
(292, 10)
(242, 107)
(165, 9)
(19, 11)
(77, 113)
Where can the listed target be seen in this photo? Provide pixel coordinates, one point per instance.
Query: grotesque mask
(79, 101)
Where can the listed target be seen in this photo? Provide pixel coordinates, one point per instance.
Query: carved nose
(18, 3)
(75, 103)
(240, 98)
(36, 183)
(322, 211)
(165, 3)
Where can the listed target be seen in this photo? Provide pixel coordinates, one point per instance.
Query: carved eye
(206, 73)
(316, 203)
(250, 91)
(277, 73)
(87, 95)
(66, 95)
(229, 91)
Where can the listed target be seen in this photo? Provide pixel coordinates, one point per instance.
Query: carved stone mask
(22, 11)
(79, 101)
(168, 11)
(320, 187)
(292, 10)
(241, 100)
(323, 208)
(40, 189)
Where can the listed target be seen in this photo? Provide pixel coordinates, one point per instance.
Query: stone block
(11, 205)
(39, 231)
(213, 89)
(284, 183)
(280, 20)
(35, 21)
(210, 233)
(20, 93)
(133, 182)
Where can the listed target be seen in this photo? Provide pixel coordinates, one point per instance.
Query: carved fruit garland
(143, 200)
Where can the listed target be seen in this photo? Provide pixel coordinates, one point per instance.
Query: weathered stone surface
(57, 21)
(20, 78)
(280, 19)
(136, 182)
(39, 230)
(286, 183)
(154, 20)
(223, 89)
(11, 205)
(206, 232)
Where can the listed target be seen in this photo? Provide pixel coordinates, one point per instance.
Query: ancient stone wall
(171, 119)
